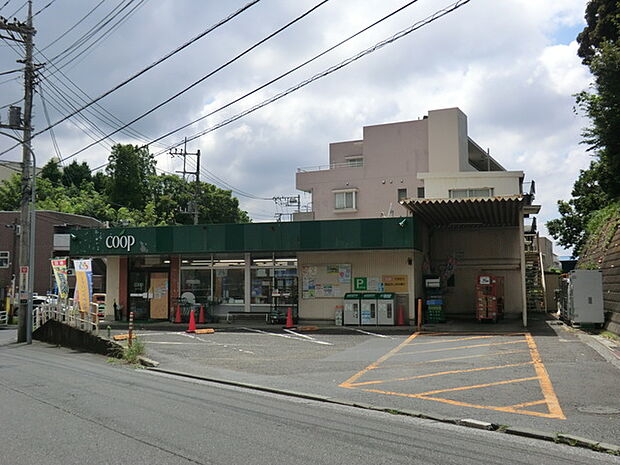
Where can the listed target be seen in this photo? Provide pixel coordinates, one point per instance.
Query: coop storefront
(262, 268)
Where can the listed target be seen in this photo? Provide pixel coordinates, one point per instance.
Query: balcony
(353, 163)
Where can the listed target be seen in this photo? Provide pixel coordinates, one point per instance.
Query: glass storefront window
(198, 282)
(261, 286)
(228, 285)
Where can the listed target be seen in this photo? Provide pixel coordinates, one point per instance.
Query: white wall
(111, 286)
(504, 183)
(363, 263)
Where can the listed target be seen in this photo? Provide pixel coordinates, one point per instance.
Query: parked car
(37, 301)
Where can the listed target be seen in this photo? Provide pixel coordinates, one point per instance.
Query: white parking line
(310, 338)
(369, 333)
(213, 343)
(302, 337)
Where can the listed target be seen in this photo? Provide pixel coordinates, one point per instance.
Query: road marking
(453, 340)
(462, 347)
(372, 366)
(423, 362)
(550, 399)
(442, 373)
(309, 338)
(545, 382)
(287, 336)
(369, 333)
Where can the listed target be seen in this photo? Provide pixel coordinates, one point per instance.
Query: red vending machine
(489, 297)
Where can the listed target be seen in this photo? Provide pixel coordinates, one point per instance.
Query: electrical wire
(194, 84)
(5, 4)
(156, 63)
(287, 73)
(91, 11)
(18, 10)
(11, 72)
(438, 14)
(44, 8)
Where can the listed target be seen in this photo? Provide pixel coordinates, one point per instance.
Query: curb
(568, 439)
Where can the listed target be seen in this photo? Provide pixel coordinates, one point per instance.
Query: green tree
(129, 169)
(10, 193)
(599, 47)
(51, 171)
(74, 174)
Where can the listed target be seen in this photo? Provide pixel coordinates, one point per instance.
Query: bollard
(130, 329)
(419, 315)
(109, 332)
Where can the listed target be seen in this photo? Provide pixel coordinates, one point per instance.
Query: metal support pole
(130, 329)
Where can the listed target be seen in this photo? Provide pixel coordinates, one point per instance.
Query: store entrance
(148, 295)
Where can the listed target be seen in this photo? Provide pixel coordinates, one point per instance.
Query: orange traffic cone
(192, 323)
(201, 315)
(289, 319)
(400, 316)
(177, 317)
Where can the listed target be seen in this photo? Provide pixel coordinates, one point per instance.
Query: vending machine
(385, 308)
(368, 314)
(489, 297)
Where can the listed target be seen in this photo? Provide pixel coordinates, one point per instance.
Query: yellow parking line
(462, 347)
(452, 340)
(451, 372)
(545, 382)
(528, 404)
(477, 386)
(373, 365)
(447, 359)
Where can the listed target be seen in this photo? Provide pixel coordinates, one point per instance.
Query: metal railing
(67, 312)
(345, 164)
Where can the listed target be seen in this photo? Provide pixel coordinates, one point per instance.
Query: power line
(18, 10)
(44, 8)
(5, 4)
(211, 73)
(148, 68)
(438, 14)
(283, 75)
(91, 11)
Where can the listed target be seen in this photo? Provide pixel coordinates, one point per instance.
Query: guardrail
(67, 312)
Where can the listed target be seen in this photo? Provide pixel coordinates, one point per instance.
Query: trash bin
(368, 313)
(385, 308)
(352, 308)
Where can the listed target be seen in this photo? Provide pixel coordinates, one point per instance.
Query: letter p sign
(360, 284)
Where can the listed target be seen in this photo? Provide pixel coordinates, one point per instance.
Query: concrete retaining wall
(54, 332)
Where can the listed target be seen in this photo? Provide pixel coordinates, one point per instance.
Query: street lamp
(32, 210)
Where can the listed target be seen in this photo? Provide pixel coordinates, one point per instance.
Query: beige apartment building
(470, 210)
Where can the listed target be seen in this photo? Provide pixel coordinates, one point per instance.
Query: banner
(59, 266)
(83, 283)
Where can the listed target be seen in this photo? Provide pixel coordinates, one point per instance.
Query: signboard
(59, 266)
(23, 282)
(83, 283)
(395, 283)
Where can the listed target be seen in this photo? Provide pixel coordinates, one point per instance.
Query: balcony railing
(357, 163)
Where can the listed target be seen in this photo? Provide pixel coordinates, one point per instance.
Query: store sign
(395, 283)
(120, 242)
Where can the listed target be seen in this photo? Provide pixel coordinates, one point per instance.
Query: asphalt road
(63, 407)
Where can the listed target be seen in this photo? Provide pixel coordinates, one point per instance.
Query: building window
(420, 192)
(469, 193)
(355, 162)
(345, 200)
(4, 259)
(402, 194)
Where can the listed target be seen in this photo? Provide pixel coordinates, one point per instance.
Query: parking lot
(546, 378)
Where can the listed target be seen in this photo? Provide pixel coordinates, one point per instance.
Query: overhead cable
(211, 73)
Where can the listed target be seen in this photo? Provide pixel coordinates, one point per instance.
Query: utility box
(385, 308)
(351, 314)
(368, 314)
(585, 297)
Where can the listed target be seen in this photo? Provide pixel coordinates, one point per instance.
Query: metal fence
(67, 312)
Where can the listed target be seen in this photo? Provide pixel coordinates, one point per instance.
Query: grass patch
(133, 353)
(609, 335)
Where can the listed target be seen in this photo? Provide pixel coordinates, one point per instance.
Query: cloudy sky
(510, 65)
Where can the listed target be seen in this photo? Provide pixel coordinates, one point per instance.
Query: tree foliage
(599, 47)
(128, 193)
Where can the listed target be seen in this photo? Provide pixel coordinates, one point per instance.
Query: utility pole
(184, 153)
(26, 255)
(288, 201)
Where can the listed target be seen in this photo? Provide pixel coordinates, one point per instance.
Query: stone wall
(57, 333)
